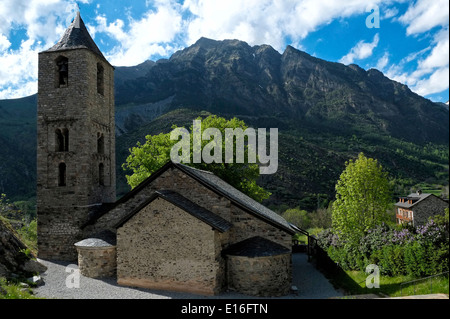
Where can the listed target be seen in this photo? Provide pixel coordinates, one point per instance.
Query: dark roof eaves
(233, 200)
(144, 183)
(181, 167)
(421, 198)
(225, 225)
(128, 195)
(222, 228)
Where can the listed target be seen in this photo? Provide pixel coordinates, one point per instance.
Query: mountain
(326, 114)
(230, 77)
(18, 135)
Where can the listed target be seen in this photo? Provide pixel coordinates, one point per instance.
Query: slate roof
(213, 183)
(76, 37)
(256, 247)
(185, 204)
(102, 239)
(415, 197)
(250, 205)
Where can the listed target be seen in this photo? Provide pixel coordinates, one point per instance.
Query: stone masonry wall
(429, 207)
(164, 247)
(172, 179)
(84, 113)
(245, 225)
(268, 276)
(97, 262)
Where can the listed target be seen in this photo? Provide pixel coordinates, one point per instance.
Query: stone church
(182, 229)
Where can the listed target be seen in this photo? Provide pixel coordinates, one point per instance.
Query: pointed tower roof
(76, 37)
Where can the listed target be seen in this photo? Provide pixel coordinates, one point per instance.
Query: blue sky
(407, 40)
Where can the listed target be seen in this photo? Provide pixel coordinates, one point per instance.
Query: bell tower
(76, 142)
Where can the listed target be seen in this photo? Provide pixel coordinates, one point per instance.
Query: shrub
(336, 255)
(415, 259)
(404, 250)
(402, 237)
(437, 258)
(375, 239)
(327, 238)
(431, 233)
(347, 256)
(391, 260)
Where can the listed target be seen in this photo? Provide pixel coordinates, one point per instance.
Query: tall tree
(144, 159)
(363, 197)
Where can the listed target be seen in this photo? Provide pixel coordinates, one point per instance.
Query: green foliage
(438, 259)
(5, 205)
(415, 259)
(391, 260)
(442, 220)
(298, 217)
(375, 239)
(155, 152)
(354, 283)
(317, 220)
(321, 218)
(28, 234)
(363, 197)
(13, 290)
(24, 223)
(412, 251)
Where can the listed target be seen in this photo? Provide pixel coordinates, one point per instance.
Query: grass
(354, 283)
(15, 290)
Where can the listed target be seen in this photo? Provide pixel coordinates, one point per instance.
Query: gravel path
(310, 282)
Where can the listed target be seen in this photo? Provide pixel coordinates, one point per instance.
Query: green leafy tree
(363, 197)
(144, 159)
(298, 217)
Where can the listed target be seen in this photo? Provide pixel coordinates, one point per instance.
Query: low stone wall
(96, 262)
(268, 276)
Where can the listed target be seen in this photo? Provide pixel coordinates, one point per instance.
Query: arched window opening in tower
(59, 141)
(65, 133)
(101, 174)
(100, 79)
(62, 72)
(100, 143)
(62, 174)
(62, 140)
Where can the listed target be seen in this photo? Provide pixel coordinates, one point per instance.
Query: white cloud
(425, 15)
(431, 74)
(435, 83)
(266, 21)
(389, 13)
(44, 22)
(42, 19)
(361, 50)
(142, 38)
(439, 55)
(169, 25)
(18, 74)
(4, 43)
(382, 62)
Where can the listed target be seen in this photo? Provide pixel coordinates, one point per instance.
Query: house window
(101, 174)
(62, 174)
(62, 140)
(62, 72)
(100, 79)
(100, 143)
